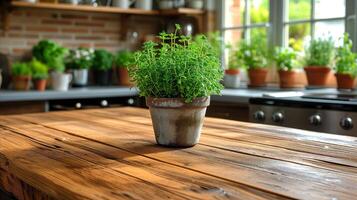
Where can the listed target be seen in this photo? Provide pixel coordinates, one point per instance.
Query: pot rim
(258, 69)
(23, 77)
(349, 75)
(312, 67)
(158, 102)
(232, 71)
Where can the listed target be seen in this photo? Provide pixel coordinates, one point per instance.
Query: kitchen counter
(73, 93)
(242, 95)
(111, 154)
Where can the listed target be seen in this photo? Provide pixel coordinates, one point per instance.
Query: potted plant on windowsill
(346, 66)
(80, 61)
(286, 62)
(52, 55)
(232, 74)
(319, 56)
(123, 60)
(102, 65)
(253, 56)
(21, 76)
(177, 77)
(39, 74)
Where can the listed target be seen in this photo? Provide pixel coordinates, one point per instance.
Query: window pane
(299, 9)
(258, 33)
(329, 9)
(232, 37)
(335, 29)
(233, 13)
(298, 35)
(259, 11)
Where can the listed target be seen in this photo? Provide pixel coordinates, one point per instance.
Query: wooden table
(111, 154)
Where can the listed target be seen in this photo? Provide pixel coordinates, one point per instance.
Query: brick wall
(71, 29)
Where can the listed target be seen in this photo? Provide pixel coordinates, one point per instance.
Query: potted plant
(52, 55)
(346, 67)
(253, 56)
(286, 62)
(102, 65)
(39, 74)
(123, 60)
(232, 74)
(21, 74)
(319, 56)
(177, 77)
(80, 60)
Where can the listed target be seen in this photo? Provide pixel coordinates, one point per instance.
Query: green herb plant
(178, 67)
(124, 59)
(252, 55)
(20, 69)
(345, 58)
(285, 59)
(320, 52)
(215, 40)
(103, 60)
(51, 54)
(81, 58)
(39, 70)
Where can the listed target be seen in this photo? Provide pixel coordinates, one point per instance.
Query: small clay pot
(40, 84)
(345, 81)
(177, 123)
(231, 78)
(21, 82)
(288, 79)
(123, 77)
(317, 75)
(257, 77)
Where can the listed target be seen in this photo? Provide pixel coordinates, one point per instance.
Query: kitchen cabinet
(111, 154)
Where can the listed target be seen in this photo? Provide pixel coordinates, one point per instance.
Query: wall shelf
(104, 9)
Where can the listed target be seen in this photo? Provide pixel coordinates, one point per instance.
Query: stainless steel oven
(329, 113)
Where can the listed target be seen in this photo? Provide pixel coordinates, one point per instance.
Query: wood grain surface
(111, 154)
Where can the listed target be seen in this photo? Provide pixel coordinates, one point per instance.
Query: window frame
(278, 22)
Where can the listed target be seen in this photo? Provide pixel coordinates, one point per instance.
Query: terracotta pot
(317, 76)
(345, 81)
(22, 82)
(231, 78)
(257, 77)
(176, 123)
(289, 79)
(40, 84)
(123, 77)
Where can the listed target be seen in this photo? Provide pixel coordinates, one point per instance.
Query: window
(244, 19)
(308, 19)
(287, 22)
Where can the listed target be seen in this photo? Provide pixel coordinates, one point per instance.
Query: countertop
(240, 95)
(111, 154)
(73, 93)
